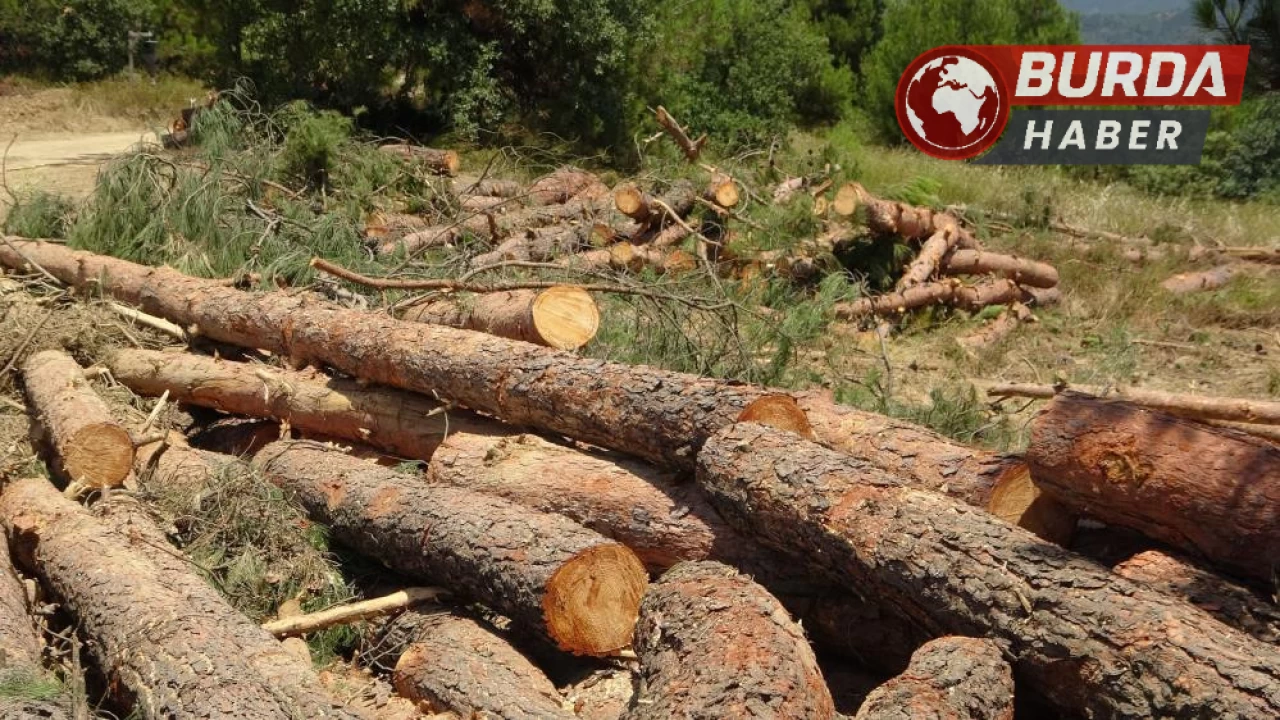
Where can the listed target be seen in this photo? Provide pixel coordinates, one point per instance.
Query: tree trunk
(712, 643)
(1075, 631)
(722, 191)
(543, 570)
(604, 694)
(1233, 604)
(563, 185)
(927, 261)
(636, 204)
(911, 223)
(20, 647)
(540, 244)
(92, 448)
(452, 663)
(179, 658)
(896, 303)
(444, 162)
(951, 677)
(1020, 270)
(1211, 491)
(563, 317)
(1195, 407)
(1184, 283)
(406, 424)
(488, 186)
(690, 148)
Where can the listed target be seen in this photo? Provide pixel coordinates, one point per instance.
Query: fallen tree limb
(712, 643)
(487, 186)
(1197, 407)
(691, 148)
(545, 571)
(967, 297)
(927, 261)
(563, 185)
(996, 329)
(92, 449)
(352, 612)
(636, 204)
(1213, 279)
(20, 648)
(1020, 270)
(540, 244)
(1213, 492)
(1073, 630)
(444, 162)
(951, 677)
(150, 321)
(563, 317)
(896, 218)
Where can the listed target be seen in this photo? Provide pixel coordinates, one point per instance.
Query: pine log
(992, 332)
(444, 162)
(182, 656)
(1210, 491)
(290, 677)
(671, 235)
(951, 677)
(543, 244)
(1212, 279)
(927, 261)
(484, 204)
(1039, 297)
(967, 297)
(562, 185)
(92, 448)
(487, 186)
(626, 257)
(302, 624)
(636, 204)
(690, 148)
(722, 190)
(846, 201)
(404, 423)
(911, 223)
(563, 317)
(1074, 631)
(712, 643)
(452, 663)
(1265, 255)
(1196, 407)
(381, 225)
(20, 648)
(1182, 578)
(604, 694)
(545, 571)
(1021, 270)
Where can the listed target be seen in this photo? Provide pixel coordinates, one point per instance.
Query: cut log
(846, 202)
(444, 162)
(1074, 630)
(290, 676)
(723, 191)
(487, 186)
(966, 297)
(1182, 578)
(1039, 297)
(633, 202)
(911, 223)
(485, 203)
(927, 261)
(1266, 255)
(545, 571)
(626, 257)
(712, 643)
(975, 297)
(671, 235)
(1020, 270)
(1196, 407)
(788, 188)
(996, 329)
(1017, 500)
(381, 225)
(92, 448)
(690, 148)
(406, 424)
(294, 625)
(182, 656)
(636, 204)
(455, 664)
(1213, 279)
(1210, 491)
(562, 185)
(951, 677)
(540, 244)
(495, 227)
(20, 647)
(563, 317)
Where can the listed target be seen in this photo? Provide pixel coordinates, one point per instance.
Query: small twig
(151, 321)
(155, 412)
(22, 346)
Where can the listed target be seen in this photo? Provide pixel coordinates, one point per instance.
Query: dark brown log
(1180, 577)
(92, 448)
(444, 162)
(563, 317)
(455, 664)
(951, 677)
(624, 256)
(403, 423)
(549, 573)
(1075, 631)
(20, 649)
(177, 658)
(1211, 491)
(690, 148)
(1020, 270)
(1212, 279)
(712, 643)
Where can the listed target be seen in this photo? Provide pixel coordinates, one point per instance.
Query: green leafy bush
(1250, 166)
(312, 142)
(39, 214)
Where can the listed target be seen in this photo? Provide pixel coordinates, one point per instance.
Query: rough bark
(91, 447)
(926, 263)
(1020, 270)
(452, 663)
(385, 224)
(20, 647)
(1211, 491)
(1091, 642)
(546, 571)
(634, 258)
(636, 204)
(444, 162)
(563, 185)
(177, 659)
(951, 677)
(910, 222)
(1196, 407)
(603, 695)
(714, 644)
(487, 186)
(564, 317)
(690, 148)
(995, 330)
(1180, 577)
(540, 244)
(895, 303)
(403, 423)
(1212, 279)
(484, 203)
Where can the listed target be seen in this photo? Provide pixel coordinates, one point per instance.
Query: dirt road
(72, 149)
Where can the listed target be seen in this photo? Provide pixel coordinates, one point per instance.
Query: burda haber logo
(956, 102)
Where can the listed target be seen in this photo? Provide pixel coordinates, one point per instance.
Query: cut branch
(1196, 407)
(1020, 270)
(691, 148)
(351, 613)
(1213, 279)
(444, 162)
(563, 317)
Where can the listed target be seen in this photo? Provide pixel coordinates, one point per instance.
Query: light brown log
(487, 186)
(1212, 279)
(452, 663)
(545, 571)
(1073, 630)
(563, 185)
(543, 244)
(294, 625)
(951, 677)
(671, 235)
(563, 317)
(787, 188)
(897, 302)
(846, 202)
(723, 191)
(1182, 578)
(690, 148)
(484, 203)
(1021, 270)
(92, 448)
(996, 329)
(712, 643)
(1211, 491)
(387, 224)
(633, 202)
(634, 258)
(444, 162)
(1198, 407)
(994, 291)
(927, 261)
(910, 222)
(179, 658)
(403, 423)
(20, 648)
(495, 227)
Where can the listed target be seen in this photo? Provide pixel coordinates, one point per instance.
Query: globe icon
(953, 103)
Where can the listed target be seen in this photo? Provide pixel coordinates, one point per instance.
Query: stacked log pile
(711, 542)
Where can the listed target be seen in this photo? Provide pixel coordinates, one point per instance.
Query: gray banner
(1101, 137)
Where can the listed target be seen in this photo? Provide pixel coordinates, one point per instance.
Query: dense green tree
(69, 39)
(852, 27)
(1247, 22)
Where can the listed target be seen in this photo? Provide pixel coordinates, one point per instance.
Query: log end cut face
(1017, 500)
(99, 455)
(593, 601)
(565, 317)
(780, 412)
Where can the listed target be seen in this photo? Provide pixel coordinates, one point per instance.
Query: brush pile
(571, 537)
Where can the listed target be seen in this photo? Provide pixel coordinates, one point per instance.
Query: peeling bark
(951, 677)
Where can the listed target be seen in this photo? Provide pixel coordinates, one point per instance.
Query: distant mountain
(1137, 22)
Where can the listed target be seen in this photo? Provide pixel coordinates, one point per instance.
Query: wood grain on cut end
(592, 602)
(1017, 500)
(565, 317)
(846, 202)
(632, 202)
(99, 455)
(780, 412)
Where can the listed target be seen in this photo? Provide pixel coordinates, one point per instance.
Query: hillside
(1137, 22)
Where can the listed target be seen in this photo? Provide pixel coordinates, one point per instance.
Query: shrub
(69, 39)
(1251, 165)
(312, 142)
(39, 214)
